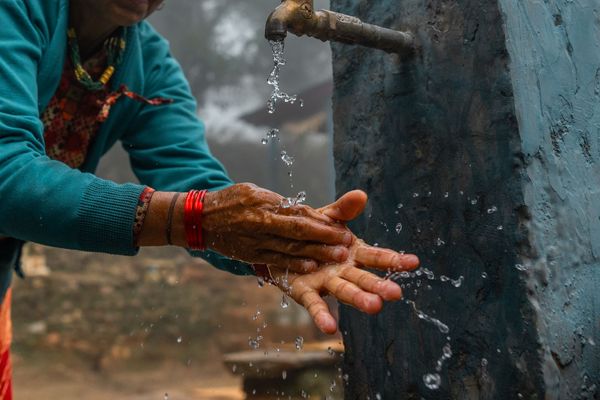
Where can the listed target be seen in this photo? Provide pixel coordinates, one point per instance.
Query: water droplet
(484, 275)
(291, 201)
(446, 195)
(330, 352)
(284, 375)
(332, 386)
(166, 396)
(447, 351)
(415, 195)
(432, 381)
(398, 228)
(458, 282)
(492, 210)
(500, 227)
(484, 362)
(179, 339)
(256, 315)
(520, 267)
(284, 302)
(439, 242)
(299, 343)
(286, 158)
(377, 396)
(253, 343)
(264, 141)
(399, 206)
(474, 201)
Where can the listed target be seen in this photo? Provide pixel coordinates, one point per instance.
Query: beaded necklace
(114, 47)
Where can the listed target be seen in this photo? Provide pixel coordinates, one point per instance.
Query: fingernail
(348, 238)
(310, 266)
(340, 254)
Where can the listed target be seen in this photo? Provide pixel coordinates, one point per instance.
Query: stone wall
(489, 138)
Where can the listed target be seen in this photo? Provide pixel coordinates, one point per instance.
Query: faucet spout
(300, 18)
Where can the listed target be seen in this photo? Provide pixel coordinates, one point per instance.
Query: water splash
(273, 134)
(278, 62)
(443, 328)
(286, 158)
(291, 201)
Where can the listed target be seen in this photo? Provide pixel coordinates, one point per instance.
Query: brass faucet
(300, 18)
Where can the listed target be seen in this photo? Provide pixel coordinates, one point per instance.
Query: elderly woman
(76, 77)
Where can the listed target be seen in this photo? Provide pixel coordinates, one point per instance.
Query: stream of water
(274, 78)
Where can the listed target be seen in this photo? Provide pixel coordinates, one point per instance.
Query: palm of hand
(348, 282)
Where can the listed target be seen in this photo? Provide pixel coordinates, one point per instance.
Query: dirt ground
(67, 379)
(155, 326)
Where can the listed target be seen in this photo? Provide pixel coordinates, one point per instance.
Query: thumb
(347, 207)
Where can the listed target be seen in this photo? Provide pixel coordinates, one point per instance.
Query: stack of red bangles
(192, 218)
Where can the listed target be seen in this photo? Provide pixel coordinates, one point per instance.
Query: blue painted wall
(554, 49)
(499, 109)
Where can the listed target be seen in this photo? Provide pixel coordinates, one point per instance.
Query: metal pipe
(299, 17)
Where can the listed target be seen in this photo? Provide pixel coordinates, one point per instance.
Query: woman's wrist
(157, 223)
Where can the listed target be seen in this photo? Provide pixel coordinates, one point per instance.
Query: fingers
(384, 259)
(318, 310)
(387, 290)
(347, 207)
(318, 252)
(306, 211)
(283, 262)
(348, 293)
(306, 229)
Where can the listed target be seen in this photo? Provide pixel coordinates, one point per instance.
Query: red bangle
(192, 218)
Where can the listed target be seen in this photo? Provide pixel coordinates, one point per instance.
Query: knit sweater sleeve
(166, 144)
(42, 200)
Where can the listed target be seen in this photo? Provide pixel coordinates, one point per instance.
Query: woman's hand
(347, 282)
(248, 223)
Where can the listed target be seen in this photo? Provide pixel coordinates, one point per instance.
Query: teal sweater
(45, 201)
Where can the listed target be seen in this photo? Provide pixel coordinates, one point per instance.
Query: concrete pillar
(490, 139)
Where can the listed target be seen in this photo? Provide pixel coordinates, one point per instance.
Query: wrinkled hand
(347, 282)
(247, 223)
